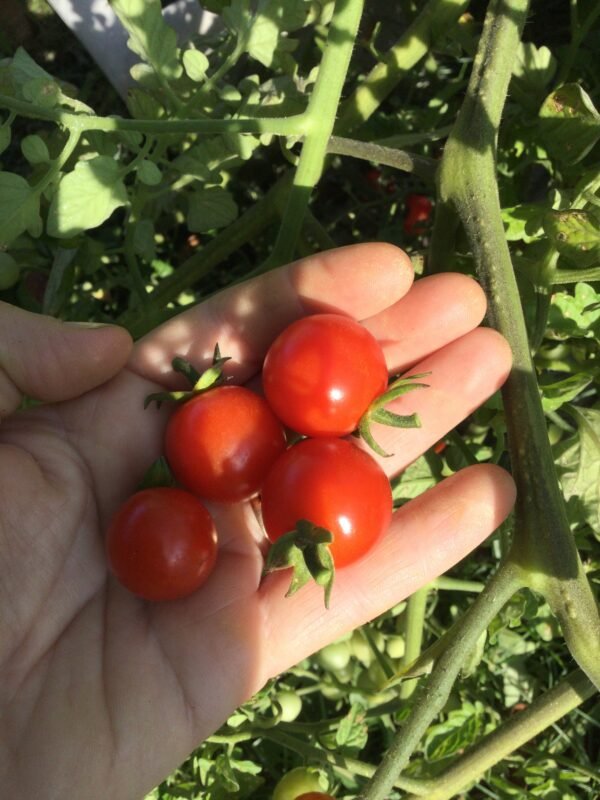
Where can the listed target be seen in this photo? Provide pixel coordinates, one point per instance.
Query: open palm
(103, 694)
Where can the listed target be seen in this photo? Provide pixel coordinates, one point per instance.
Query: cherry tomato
(418, 211)
(334, 485)
(297, 782)
(221, 444)
(321, 374)
(162, 544)
(315, 796)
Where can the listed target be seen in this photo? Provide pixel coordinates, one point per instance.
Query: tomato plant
(221, 444)
(334, 485)
(321, 374)
(162, 544)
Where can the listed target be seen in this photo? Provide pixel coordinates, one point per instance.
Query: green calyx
(377, 412)
(200, 382)
(306, 551)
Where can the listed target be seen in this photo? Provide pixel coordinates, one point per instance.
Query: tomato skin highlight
(334, 485)
(321, 374)
(221, 444)
(162, 544)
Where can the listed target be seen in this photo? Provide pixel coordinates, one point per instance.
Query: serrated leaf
(34, 149)
(210, 208)
(262, 41)
(523, 223)
(19, 206)
(149, 173)
(569, 123)
(575, 315)
(195, 64)
(352, 730)
(576, 235)
(86, 197)
(461, 729)
(149, 35)
(414, 480)
(578, 464)
(143, 106)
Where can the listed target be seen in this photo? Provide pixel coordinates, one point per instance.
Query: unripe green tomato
(9, 271)
(291, 705)
(334, 656)
(395, 646)
(360, 648)
(554, 433)
(331, 692)
(296, 782)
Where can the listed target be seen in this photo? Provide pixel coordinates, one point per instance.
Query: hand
(103, 694)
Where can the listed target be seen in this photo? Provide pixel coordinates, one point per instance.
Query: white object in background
(100, 32)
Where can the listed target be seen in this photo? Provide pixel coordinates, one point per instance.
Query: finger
(462, 376)
(427, 536)
(359, 280)
(437, 310)
(51, 360)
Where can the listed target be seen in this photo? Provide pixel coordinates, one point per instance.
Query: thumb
(52, 360)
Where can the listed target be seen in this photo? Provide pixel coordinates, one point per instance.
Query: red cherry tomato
(221, 444)
(162, 544)
(418, 211)
(321, 374)
(334, 485)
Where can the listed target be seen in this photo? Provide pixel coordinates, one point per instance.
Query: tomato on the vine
(315, 796)
(418, 211)
(162, 544)
(297, 782)
(221, 444)
(332, 484)
(321, 374)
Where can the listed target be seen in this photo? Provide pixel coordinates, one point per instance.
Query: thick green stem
(414, 620)
(515, 732)
(434, 20)
(398, 159)
(434, 693)
(543, 545)
(320, 118)
(283, 126)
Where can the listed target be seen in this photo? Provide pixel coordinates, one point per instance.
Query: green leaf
(143, 239)
(42, 92)
(5, 137)
(524, 222)
(86, 197)
(195, 64)
(462, 728)
(60, 282)
(414, 480)
(210, 208)
(576, 235)
(143, 106)
(575, 315)
(9, 271)
(24, 69)
(19, 207)
(352, 730)
(534, 66)
(149, 173)
(578, 463)
(262, 41)
(555, 395)
(569, 123)
(149, 35)
(34, 149)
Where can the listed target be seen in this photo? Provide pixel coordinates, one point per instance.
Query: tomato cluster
(323, 378)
